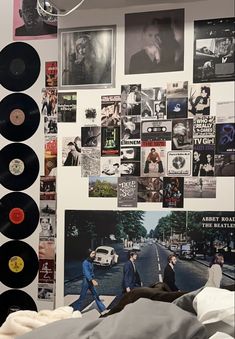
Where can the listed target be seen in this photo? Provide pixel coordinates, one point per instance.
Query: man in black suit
(131, 277)
(169, 273)
(33, 22)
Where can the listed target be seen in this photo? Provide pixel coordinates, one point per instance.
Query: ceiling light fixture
(46, 8)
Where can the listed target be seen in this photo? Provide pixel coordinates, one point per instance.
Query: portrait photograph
(154, 42)
(214, 43)
(87, 57)
(29, 25)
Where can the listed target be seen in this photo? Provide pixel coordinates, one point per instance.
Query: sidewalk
(228, 270)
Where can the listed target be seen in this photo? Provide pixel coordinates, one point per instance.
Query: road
(152, 259)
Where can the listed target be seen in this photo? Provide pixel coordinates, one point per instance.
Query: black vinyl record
(19, 264)
(19, 66)
(19, 117)
(19, 215)
(15, 300)
(19, 166)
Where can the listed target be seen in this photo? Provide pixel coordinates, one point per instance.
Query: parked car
(186, 251)
(136, 247)
(105, 256)
(173, 247)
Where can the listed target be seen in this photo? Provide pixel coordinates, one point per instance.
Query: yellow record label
(16, 264)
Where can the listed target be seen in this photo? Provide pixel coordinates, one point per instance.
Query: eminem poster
(154, 42)
(214, 42)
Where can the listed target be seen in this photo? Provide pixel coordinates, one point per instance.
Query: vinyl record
(19, 264)
(19, 215)
(19, 166)
(15, 300)
(19, 117)
(19, 66)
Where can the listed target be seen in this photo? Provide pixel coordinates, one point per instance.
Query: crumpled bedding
(142, 319)
(21, 322)
(215, 309)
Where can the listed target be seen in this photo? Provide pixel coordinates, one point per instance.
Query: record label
(16, 216)
(19, 66)
(16, 264)
(16, 167)
(15, 300)
(19, 215)
(17, 117)
(19, 264)
(19, 166)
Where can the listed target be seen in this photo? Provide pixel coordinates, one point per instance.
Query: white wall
(72, 190)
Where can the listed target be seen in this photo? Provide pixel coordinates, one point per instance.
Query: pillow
(215, 310)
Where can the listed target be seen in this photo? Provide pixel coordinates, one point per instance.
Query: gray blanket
(142, 319)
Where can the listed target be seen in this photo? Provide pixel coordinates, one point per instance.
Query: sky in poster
(151, 219)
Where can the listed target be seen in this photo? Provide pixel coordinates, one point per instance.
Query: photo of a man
(154, 42)
(28, 23)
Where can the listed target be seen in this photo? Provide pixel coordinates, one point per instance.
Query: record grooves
(19, 66)
(19, 117)
(19, 166)
(15, 300)
(19, 264)
(19, 215)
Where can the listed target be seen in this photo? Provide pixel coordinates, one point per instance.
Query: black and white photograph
(127, 192)
(130, 168)
(153, 130)
(182, 134)
(214, 42)
(204, 127)
(154, 42)
(131, 153)
(91, 136)
(201, 187)
(46, 292)
(100, 187)
(203, 160)
(130, 128)
(90, 162)
(225, 112)
(67, 106)
(225, 165)
(87, 57)
(71, 151)
(179, 163)
(110, 110)
(110, 166)
(199, 100)
(131, 99)
(153, 103)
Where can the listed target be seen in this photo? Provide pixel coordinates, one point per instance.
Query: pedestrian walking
(169, 273)
(89, 283)
(131, 277)
(215, 271)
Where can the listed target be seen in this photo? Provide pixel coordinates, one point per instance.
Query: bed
(202, 314)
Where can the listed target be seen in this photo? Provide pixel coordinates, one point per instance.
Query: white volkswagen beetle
(105, 256)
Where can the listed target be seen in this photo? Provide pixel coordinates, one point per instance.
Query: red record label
(16, 215)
